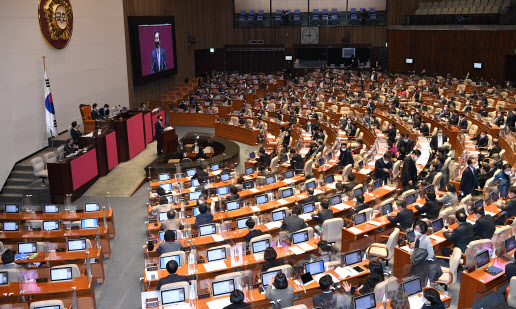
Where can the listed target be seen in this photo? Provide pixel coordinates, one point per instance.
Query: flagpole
(51, 135)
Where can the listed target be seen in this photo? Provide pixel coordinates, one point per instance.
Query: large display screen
(153, 48)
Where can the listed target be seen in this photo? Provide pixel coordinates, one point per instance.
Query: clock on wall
(56, 22)
(309, 35)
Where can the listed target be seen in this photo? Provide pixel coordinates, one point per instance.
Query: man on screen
(159, 63)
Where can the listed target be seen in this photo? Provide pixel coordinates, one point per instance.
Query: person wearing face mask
(423, 242)
(449, 198)
(461, 235)
(496, 149)
(438, 140)
(359, 147)
(95, 115)
(391, 132)
(430, 210)
(482, 139)
(503, 179)
(454, 118)
(404, 218)
(445, 113)
(383, 167)
(345, 156)
(463, 122)
(467, 108)
(469, 181)
(431, 299)
(424, 129)
(432, 171)
(158, 62)
(408, 175)
(499, 120)
(484, 226)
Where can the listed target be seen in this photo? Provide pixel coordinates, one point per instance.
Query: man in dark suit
(75, 133)
(509, 207)
(296, 161)
(468, 181)
(511, 119)
(293, 223)
(391, 132)
(328, 299)
(345, 156)
(69, 147)
(325, 213)
(454, 119)
(172, 277)
(159, 61)
(370, 105)
(484, 227)
(445, 113)
(438, 140)
(252, 232)
(408, 175)
(383, 167)
(286, 139)
(159, 128)
(404, 218)
(424, 129)
(234, 194)
(463, 234)
(431, 208)
(463, 122)
(104, 112)
(204, 217)
(482, 139)
(95, 115)
(496, 148)
(510, 269)
(311, 198)
(264, 158)
(201, 172)
(499, 121)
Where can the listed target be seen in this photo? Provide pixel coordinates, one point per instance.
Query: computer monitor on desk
(60, 274)
(89, 223)
(314, 268)
(509, 244)
(300, 237)
(4, 279)
(207, 229)
(76, 244)
(249, 170)
(164, 176)
(359, 218)
(173, 296)
(51, 209)
(278, 215)
(27, 247)
(335, 200)
(261, 199)
(194, 196)
(329, 178)
(190, 172)
(410, 199)
(232, 205)
(412, 287)
(163, 260)
(223, 287)
(367, 301)
(216, 254)
(91, 207)
(12, 208)
(260, 246)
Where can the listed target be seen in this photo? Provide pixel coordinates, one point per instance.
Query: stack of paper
(319, 276)
(296, 250)
(289, 181)
(254, 190)
(283, 202)
(306, 247)
(214, 266)
(151, 275)
(492, 214)
(437, 238)
(354, 230)
(341, 206)
(406, 248)
(219, 303)
(273, 225)
(342, 272)
(365, 171)
(374, 222)
(389, 188)
(415, 301)
(258, 256)
(305, 216)
(217, 238)
(255, 208)
(216, 172)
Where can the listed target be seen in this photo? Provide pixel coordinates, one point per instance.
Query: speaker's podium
(169, 140)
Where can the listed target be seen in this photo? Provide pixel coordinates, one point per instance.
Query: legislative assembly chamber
(233, 154)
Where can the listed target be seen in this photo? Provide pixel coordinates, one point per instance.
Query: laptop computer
(365, 302)
(358, 191)
(166, 186)
(4, 278)
(261, 199)
(483, 259)
(163, 260)
(288, 192)
(91, 207)
(241, 223)
(50, 225)
(300, 237)
(223, 190)
(12, 208)
(412, 287)
(190, 172)
(308, 208)
(194, 196)
(335, 200)
(60, 274)
(278, 215)
(89, 223)
(225, 177)
(164, 176)
(246, 185)
(288, 174)
(352, 258)
(509, 244)
(216, 254)
(27, 247)
(377, 184)
(437, 225)
(410, 199)
(249, 170)
(223, 287)
(270, 179)
(232, 205)
(207, 229)
(386, 209)
(260, 246)
(329, 178)
(173, 296)
(76, 244)
(266, 278)
(359, 218)
(51, 209)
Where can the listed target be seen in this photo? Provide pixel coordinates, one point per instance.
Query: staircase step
(22, 174)
(15, 189)
(10, 198)
(19, 181)
(22, 167)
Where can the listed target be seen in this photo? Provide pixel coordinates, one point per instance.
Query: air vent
(256, 42)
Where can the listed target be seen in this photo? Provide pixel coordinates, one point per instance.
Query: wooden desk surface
(192, 119)
(237, 133)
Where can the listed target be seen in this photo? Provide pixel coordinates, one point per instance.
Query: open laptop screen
(353, 257)
(173, 296)
(412, 287)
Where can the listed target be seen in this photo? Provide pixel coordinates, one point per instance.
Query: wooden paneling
(211, 23)
(397, 9)
(452, 52)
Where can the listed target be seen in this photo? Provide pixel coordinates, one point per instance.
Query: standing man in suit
(469, 181)
(511, 119)
(462, 235)
(345, 156)
(438, 140)
(463, 122)
(95, 115)
(383, 167)
(75, 133)
(296, 161)
(104, 112)
(408, 175)
(158, 127)
(484, 227)
(158, 62)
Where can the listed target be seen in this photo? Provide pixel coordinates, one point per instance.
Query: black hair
(360, 199)
(157, 31)
(8, 256)
(296, 211)
(422, 226)
(172, 266)
(401, 203)
(203, 209)
(451, 188)
(74, 123)
(479, 210)
(95, 105)
(236, 297)
(169, 235)
(292, 151)
(310, 191)
(250, 223)
(280, 281)
(432, 296)
(417, 152)
(512, 190)
(163, 200)
(270, 254)
(461, 216)
(233, 190)
(339, 186)
(171, 214)
(325, 282)
(325, 204)
(324, 246)
(351, 177)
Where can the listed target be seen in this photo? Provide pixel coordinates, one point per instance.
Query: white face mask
(386, 162)
(507, 172)
(475, 165)
(417, 233)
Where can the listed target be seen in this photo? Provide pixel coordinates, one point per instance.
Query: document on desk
(219, 303)
(255, 209)
(331, 185)
(389, 188)
(217, 172)
(296, 250)
(354, 230)
(283, 202)
(273, 225)
(305, 246)
(305, 216)
(177, 306)
(254, 190)
(342, 272)
(341, 206)
(151, 275)
(317, 192)
(415, 301)
(258, 256)
(289, 181)
(406, 248)
(492, 214)
(374, 222)
(365, 171)
(214, 266)
(217, 238)
(437, 238)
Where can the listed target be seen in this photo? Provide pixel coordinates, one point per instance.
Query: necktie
(159, 60)
(417, 243)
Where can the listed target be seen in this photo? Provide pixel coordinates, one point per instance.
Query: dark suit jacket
(237, 306)
(444, 114)
(405, 218)
(463, 124)
(252, 234)
(266, 265)
(297, 162)
(511, 120)
(408, 172)
(163, 61)
(434, 141)
(468, 181)
(484, 227)
(158, 127)
(75, 134)
(379, 167)
(171, 278)
(68, 150)
(510, 208)
(95, 115)
(454, 119)
(431, 209)
(104, 112)
(346, 158)
(498, 120)
(510, 270)
(323, 215)
(293, 224)
(425, 130)
(482, 142)
(264, 159)
(204, 218)
(391, 134)
(461, 236)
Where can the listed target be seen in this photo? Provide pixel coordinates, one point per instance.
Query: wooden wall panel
(454, 52)
(211, 23)
(397, 9)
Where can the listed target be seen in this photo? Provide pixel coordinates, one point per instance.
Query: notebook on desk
(483, 259)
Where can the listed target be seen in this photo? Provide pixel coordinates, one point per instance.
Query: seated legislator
(75, 133)
(172, 223)
(293, 223)
(252, 232)
(509, 207)
(69, 148)
(237, 298)
(462, 235)
(430, 210)
(8, 258)
(264, 158)
(510, 268)
(170, 244)
(204, 217)
(383, 167)
(345, 156)
(328, 299)
(484, 226)
(282, 292)
(450, 197)
(234, 194)
(270, 256)
(405, 216)
(95, 115)
(172, 277)
(296, 161)
(325, 213)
